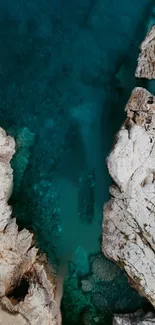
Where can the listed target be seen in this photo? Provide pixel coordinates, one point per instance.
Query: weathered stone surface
(129, 216)
(26, 288)
(139, 318)
(146, 59)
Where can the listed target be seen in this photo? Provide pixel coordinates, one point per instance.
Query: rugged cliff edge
(139, 318)
(146, 59)
(129, 216)
(129, 222)
(26, 285)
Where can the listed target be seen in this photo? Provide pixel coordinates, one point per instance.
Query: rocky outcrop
(129, 216)
(139, 318)
(26, 285)
(146, 59)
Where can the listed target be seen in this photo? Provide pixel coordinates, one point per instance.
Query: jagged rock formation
(129, 216)
(146, 59)
(139, 318)
(26, 286)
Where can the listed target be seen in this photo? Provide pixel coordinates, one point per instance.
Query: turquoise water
(66, 71)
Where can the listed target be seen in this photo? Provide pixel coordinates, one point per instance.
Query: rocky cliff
(129, 216)
(27, 285)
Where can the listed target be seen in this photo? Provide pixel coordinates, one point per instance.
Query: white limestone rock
(146, 59)
(129, 216)
(19, 261)
(139, 318)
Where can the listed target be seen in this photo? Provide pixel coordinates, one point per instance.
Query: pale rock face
(129, 217)
(11, 319)
(19, 260)
(139, 318)
(146, 59)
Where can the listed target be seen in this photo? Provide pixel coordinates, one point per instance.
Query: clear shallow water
(60, 76)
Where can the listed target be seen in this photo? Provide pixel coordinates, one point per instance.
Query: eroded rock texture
(26, 288)
(139, 318)
(146, 59)
(129, 216)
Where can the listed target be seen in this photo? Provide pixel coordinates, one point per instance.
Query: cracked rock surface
(146, 59)
(129, 216)
(26, 285)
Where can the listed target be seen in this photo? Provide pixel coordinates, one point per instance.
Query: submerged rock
(129, 216)
(27, 287)
(86, 197)
(87, 284)
(103, 269)
(81, 261)
(146, 59)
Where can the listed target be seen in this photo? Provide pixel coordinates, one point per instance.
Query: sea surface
(66, 72)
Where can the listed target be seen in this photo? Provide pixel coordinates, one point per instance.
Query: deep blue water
(66, 71)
